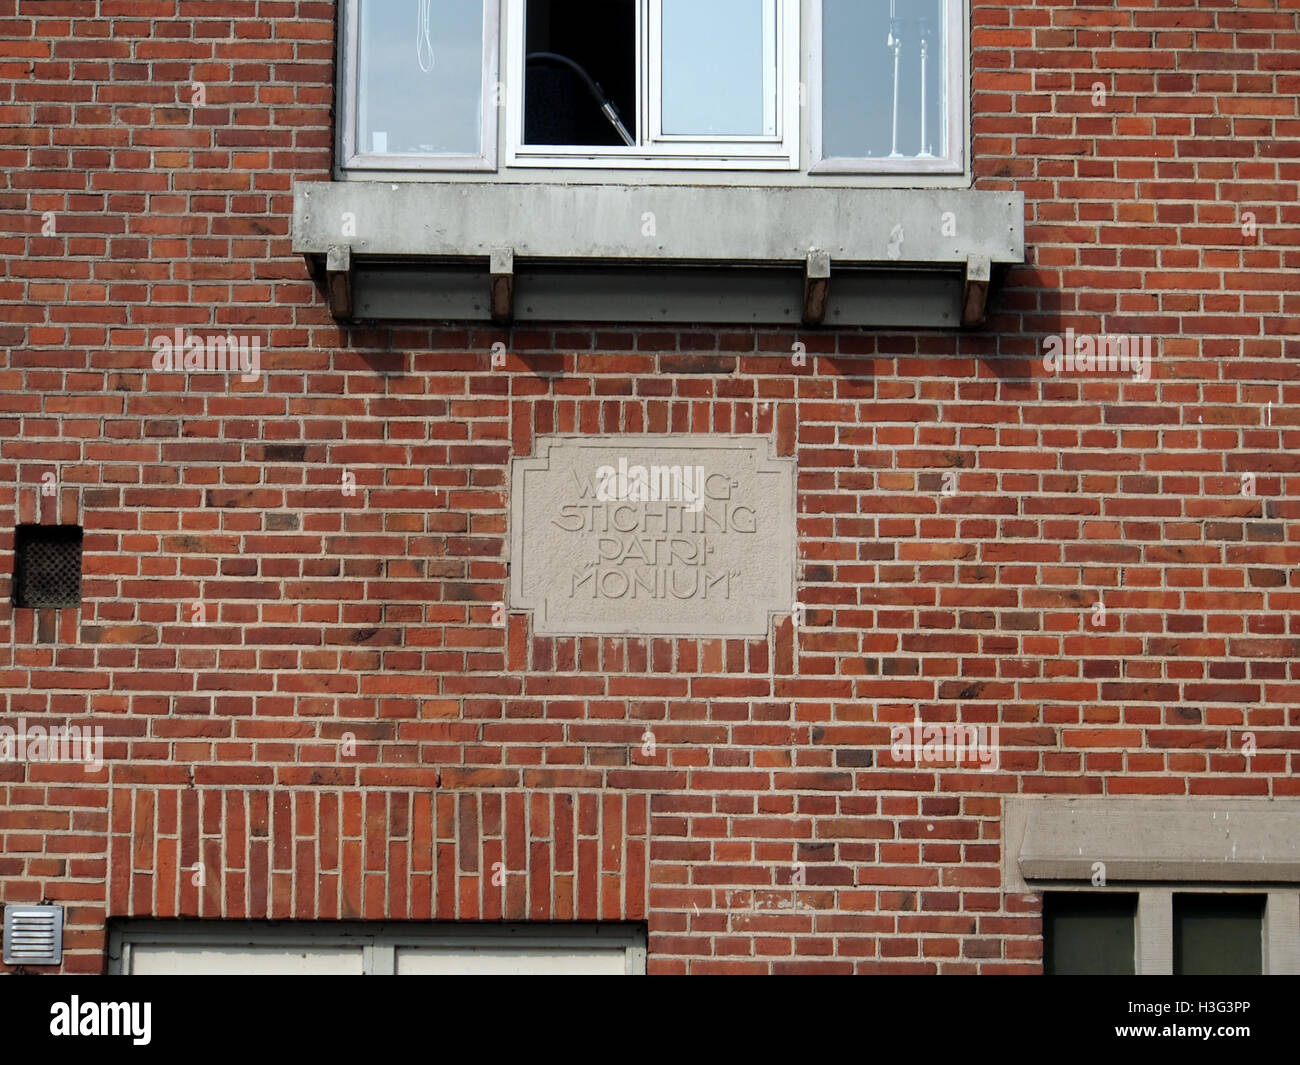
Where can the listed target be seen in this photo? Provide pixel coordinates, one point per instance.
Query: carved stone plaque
(687, 535)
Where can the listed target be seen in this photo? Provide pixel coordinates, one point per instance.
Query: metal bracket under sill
(478, 251)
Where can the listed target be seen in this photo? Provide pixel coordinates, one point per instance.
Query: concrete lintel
(1152, 840)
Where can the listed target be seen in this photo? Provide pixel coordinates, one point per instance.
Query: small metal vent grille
(47, 565)
(33, 935)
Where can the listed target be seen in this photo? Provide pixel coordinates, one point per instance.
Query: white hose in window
(424, 36)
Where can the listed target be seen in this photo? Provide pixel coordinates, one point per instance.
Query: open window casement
(653, 83)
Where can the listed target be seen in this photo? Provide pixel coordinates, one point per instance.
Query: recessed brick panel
(392, 855)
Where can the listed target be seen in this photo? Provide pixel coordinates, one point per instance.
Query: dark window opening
(47, 566)
(580, 82)
(1218, 935)
(1089, 934)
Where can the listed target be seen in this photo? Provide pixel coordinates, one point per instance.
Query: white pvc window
(655, 84)
(890, 86)
(420, 78)
(325, 948)
(695, 83)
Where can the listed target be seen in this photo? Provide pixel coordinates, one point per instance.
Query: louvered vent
(33, 935)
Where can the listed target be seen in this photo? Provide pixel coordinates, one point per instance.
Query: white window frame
(798, 43)
(352, 155)
(376, 943)
(654, 149)
(956, 69)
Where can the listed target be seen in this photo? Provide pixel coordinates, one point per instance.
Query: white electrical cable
(424, 36)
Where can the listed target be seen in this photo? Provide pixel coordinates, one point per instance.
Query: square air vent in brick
(33, 935)
(47, 565)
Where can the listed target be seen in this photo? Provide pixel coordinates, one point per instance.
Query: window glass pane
(468, 960)
(1218, 935)
(580, 80)
(884, 88)
(420, 77)
(719, 67)
(1089, 934)
(265, 959)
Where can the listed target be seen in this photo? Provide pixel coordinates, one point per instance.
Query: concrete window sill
(912, 258)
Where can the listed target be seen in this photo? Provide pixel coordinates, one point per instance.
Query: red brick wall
(373, 614)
